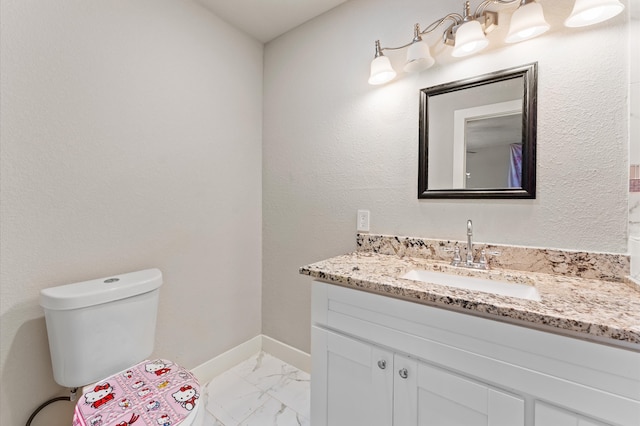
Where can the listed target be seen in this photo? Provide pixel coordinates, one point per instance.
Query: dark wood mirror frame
(529, 73)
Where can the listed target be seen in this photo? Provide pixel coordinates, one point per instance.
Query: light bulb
(526, 22)
(418, 57)
(589, 12)
(469, 39)
(381, 71)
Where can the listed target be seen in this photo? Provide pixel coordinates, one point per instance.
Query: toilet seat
(151, 393)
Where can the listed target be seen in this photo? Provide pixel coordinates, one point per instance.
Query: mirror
(478, 136)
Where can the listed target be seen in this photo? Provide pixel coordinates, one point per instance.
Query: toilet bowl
(100, 332)
(153, 392)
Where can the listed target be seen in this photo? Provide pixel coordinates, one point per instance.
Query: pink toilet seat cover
(152, 393)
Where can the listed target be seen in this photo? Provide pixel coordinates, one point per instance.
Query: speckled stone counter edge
(603, 311)
(600, 266)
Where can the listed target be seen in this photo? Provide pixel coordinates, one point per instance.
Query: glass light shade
(418, 57)
(589, 12)
(381, 71)
(469, 39)
(526, 22)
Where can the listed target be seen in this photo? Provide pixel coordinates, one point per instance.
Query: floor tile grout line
(254, 411)
(269, 392)
(288, 406)
(271, 396)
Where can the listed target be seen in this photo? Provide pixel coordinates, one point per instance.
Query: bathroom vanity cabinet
(382, 361)
(367, 384)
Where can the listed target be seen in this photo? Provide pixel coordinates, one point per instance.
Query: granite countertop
(594, 309)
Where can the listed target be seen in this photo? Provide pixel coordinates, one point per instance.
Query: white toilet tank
(97, 328)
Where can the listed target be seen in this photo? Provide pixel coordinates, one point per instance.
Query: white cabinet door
(547, 415)
(435, 397)
(357, 386)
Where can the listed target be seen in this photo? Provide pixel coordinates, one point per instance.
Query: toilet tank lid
(101, 290)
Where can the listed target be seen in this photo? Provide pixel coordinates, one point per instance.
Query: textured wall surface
(634, 116)
(333, 144)
(131, 138)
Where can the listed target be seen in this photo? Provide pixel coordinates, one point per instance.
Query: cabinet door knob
(382, 364)
(403, 373)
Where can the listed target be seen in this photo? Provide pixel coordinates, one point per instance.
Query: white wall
(333, 144)
(634, 70)
(131, 138)
(634, 102)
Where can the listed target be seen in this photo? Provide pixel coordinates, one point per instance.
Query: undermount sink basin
(521, 291)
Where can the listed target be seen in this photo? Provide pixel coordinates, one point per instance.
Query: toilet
(101, 333)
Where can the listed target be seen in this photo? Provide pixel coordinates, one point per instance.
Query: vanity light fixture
(526, 22)
(418, 54)
(381, 69)
(589, 12)
(469, 37)
(467, 32)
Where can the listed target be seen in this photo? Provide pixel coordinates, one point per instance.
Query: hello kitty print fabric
(152, 393)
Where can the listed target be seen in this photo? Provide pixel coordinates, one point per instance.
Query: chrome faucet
(469, 243)
(469, 263)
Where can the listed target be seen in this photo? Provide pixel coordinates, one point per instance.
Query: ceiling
(267, 19)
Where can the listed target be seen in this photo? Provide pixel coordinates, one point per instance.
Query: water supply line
(71, 397)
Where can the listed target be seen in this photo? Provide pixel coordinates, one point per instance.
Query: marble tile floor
(261, 391)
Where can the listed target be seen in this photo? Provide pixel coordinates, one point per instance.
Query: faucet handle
(483, 258)
(456, 255)
(483, 263)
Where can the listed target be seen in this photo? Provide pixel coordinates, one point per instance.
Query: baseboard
(206, 371)
(286, 353)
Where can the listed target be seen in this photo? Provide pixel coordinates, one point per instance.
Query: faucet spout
(469, 263)
(469, 242)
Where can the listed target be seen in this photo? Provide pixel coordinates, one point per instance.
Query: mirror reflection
(492, 148)
(477, 137)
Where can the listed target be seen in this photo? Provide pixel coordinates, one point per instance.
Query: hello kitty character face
(144, 392)
(186, 396)
(163, 420)
(127, 374)
(153, 405)
(100, 395)
(157, 367)
(124, 404)
(96, 421)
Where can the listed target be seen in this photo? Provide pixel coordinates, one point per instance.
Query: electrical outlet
(362, 224)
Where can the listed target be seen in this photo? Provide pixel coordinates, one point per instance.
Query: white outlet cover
(362, 223)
